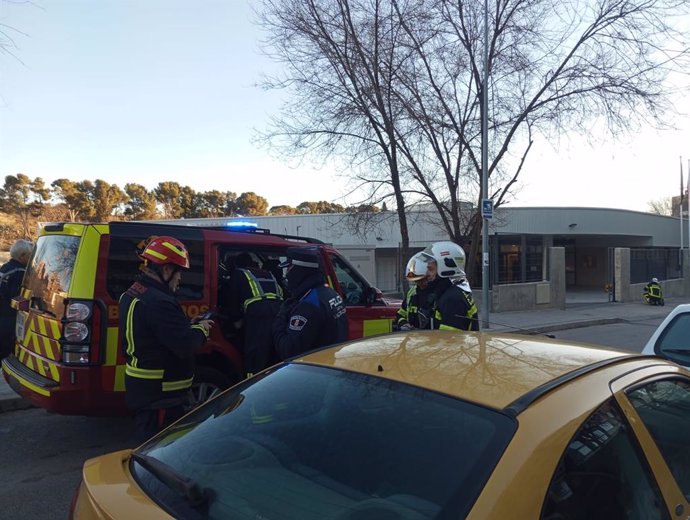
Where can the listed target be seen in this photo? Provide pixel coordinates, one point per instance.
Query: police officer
(314, 315)
(254, 299)
(454, 307)
(11, 275)
(417, 307)
(158, 340)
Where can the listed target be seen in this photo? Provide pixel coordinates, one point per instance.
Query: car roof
(501, 371)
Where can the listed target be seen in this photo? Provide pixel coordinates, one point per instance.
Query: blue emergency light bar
(242, 224)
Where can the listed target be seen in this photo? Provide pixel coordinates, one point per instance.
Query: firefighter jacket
(653, 290)
(454, 307)
(314, 317)
(254, 297)
(248, 286)
(416, 309)
(159, 344)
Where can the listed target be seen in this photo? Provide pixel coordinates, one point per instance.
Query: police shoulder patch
(297, 322)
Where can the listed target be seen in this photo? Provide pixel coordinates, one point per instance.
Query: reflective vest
(263, 286)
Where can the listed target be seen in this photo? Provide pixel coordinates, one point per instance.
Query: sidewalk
(578, 314)
(9, 400)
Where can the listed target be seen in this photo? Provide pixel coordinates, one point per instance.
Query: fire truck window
(49, 274)
(352, 285)
(229, 259)
(123, 268)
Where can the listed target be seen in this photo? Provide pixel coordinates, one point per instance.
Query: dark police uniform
(454, 308)
(314, 316)
(159, 345)
(11, 275)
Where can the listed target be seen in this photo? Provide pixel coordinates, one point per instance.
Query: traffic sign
(487, 208)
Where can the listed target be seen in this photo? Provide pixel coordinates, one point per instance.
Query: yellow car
(420, 425)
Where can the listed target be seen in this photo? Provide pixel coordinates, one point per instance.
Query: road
(626, 336)
(42, 454)
(42, 457)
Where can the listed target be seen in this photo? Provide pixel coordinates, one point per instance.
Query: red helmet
(166, 250)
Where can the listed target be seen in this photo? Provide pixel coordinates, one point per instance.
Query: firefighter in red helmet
(158, 340)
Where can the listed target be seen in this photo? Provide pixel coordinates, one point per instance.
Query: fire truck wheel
(207, 383)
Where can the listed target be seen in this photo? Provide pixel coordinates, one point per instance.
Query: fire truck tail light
(75, 331)
(77, 311)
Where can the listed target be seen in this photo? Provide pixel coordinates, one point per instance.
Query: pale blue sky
(155, 90)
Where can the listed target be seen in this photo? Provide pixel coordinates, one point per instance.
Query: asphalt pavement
(583, 310)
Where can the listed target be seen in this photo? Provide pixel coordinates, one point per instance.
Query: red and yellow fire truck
(67, 355)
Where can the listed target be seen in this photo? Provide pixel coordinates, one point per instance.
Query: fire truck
(68, 357)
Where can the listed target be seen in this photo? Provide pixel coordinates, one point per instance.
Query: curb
(563, 326)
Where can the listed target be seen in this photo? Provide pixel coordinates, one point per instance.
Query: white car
(671, 339)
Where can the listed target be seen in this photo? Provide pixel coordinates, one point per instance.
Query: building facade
(520, 239)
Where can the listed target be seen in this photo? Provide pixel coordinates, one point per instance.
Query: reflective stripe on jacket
(455, 309)
(263, 286)
(158, 342)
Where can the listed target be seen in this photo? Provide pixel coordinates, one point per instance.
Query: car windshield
(674, 341)
(306, 442)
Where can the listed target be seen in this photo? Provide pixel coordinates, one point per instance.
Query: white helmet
(416, 269)
(655, 280)
(449, 258)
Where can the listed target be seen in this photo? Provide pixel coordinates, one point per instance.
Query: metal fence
(661, 263)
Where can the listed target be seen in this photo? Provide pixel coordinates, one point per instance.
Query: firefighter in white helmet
(454, 307)
(417, 307)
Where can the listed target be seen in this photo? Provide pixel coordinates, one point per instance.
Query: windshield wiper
(183, 486)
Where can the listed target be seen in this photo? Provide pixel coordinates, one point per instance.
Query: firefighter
(417, 307)
(314, 315)
(652, 293)
(454, 307)
(254, 299)
(11, 275)
(158, 340)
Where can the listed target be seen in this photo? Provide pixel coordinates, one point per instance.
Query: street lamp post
(485, 173)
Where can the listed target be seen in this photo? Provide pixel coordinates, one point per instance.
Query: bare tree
(661, 206)
(394, 87)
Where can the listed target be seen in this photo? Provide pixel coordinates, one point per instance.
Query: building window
(520, 259)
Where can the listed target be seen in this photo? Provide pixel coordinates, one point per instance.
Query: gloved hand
(406, 326)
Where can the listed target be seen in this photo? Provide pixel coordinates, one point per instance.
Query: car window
(664, 407)
(311, 443)
(351, 283)
(123, 268)
(603, 475)
(674, 341)
(49, 272)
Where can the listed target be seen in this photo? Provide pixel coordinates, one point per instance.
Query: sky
(147, 91)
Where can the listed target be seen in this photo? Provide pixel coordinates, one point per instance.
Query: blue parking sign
(487, 208)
